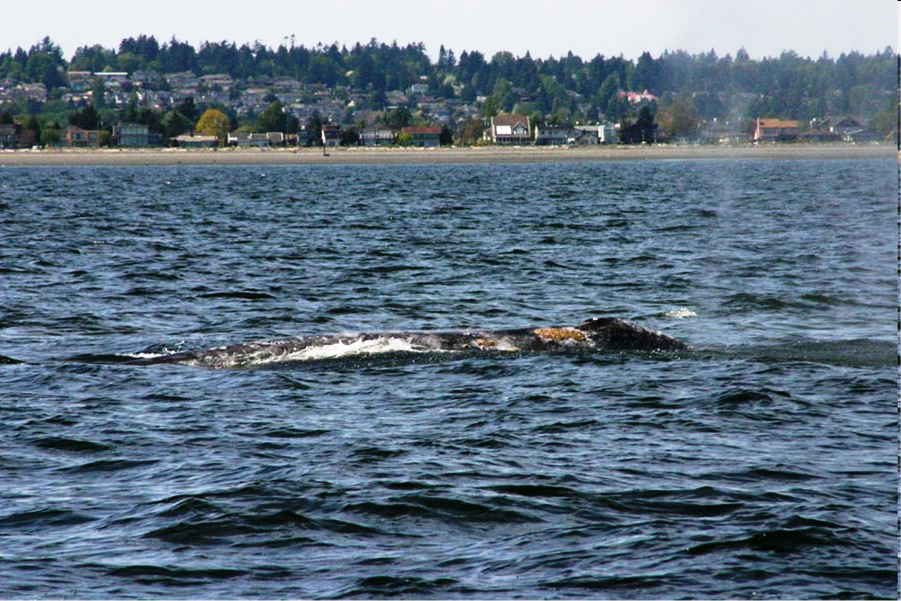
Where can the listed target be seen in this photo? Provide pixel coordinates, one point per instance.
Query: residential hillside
(293, 89)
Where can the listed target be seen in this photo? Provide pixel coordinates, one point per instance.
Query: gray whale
(603, 333)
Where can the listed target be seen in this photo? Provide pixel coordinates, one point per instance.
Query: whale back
(621, 335)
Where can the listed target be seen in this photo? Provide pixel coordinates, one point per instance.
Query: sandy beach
(487, 154)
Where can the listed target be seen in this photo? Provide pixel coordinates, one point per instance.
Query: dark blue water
(762, 464)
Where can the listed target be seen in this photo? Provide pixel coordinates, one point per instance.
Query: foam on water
(345, 349)
(681, 313)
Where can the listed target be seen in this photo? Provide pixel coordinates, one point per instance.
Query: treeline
(789, 86)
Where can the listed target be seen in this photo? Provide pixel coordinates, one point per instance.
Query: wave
(856, 352)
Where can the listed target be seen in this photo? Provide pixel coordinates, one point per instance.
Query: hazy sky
(544, 28)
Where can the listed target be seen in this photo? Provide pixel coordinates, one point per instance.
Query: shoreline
(393, 156)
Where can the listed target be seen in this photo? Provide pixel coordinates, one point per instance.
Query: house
(637, 98)
(853, 129)
(132, 134)
(423, 137)
(845, 126)
(80, 81)
(239, 139)
(217, 81)
(820, 136)
(721, 133)
(189, 141)
(510, 130)
(774, 130)
(258, 140)
(607, 133)
(589, 135)
(331, 134)
(7, 135)
(377, 136)
(76, 137)
(108, 77)
(555, 135)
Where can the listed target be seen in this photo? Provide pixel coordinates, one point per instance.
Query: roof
(510, 120)
(190, 138)
(421, 130)
(776, 123)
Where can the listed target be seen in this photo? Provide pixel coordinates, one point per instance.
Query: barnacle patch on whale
(560, 334)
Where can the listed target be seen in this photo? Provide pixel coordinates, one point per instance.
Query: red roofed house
(774, 130)
(510, 130)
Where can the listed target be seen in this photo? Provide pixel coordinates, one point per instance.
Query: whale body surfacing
(603, 334)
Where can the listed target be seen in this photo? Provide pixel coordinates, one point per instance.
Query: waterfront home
(510, 130)
(820, 136)
(423, 137)
(131, 135)
(189, 141)
(721, 133)
(77, 138)
(7, 135)
(331, 134)
(775, 130)
(590, 135)
(555, 135)
(845, 126)
(377, 136)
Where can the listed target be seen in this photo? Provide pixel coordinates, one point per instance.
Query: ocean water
(761, 464)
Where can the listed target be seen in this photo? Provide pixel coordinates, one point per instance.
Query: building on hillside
(131, 135)
(774, 130)
(377, 136)
(638, 98)
(423, 137)
(80, 81)
(76, 137)
(510, 130)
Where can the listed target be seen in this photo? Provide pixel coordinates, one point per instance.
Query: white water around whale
(342, 349)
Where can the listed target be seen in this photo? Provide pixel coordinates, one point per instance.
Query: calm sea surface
(762, 464)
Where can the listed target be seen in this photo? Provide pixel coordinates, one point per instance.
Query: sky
(543, 28)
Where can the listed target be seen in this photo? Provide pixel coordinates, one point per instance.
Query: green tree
(30, 133)
(50, 135)
(86, 118)
(214, 123)
(398, 118)
(314, 129)
(447, 136)
(471, 132)
(679, 119)
(98, 93)
(273, 118)
(174, 124)
(131, 109)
